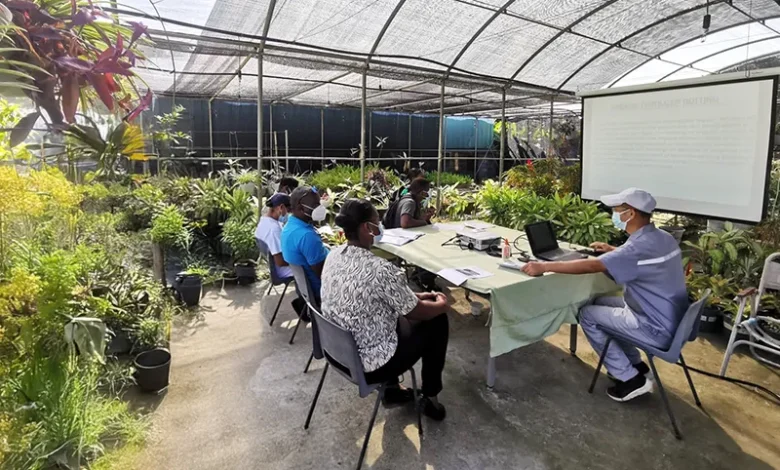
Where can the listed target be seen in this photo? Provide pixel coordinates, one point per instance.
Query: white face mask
(378, 238)
(318, 213)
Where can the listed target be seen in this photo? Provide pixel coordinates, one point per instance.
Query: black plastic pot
(152, 369)
(711, 320)
(245, 272)
(119, 344)
(189, 288)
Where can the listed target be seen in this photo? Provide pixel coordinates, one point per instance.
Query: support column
(322, 138)
(476, 139)
(370, 134)
(363, 129)
(274, 152)
(259, 111)
(211, 137)
(550, 130)
(441, 147)
(502, 147)
(409, 145)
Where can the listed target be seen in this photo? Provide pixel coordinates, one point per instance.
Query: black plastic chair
(276, 280)
(341, 352)
(303, 287)
(687, 330)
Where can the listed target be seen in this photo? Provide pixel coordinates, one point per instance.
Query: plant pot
(675, 231)
(711, 320)
(245, 272)
(119, 344)
(189, 287)
(152, 369)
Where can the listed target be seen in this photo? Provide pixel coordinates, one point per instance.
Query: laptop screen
(541, 237)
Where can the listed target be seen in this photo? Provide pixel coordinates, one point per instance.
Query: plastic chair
(687, 330)
(341, 352)
(757, 337)
(276, 280)
(303, 286)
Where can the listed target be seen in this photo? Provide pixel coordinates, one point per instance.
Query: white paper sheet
(459, 276)
(393, 240)
(326, 230)
(403, 233)
(448, 227)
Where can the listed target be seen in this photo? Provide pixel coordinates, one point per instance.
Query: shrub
(545, 177)
(333, 178)
(576, 221)
(451, 179)
(240, 237)
(169, 228)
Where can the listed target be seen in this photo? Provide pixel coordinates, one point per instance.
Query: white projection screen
(701, 149)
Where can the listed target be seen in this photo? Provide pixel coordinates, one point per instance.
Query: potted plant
(169, 230)
(189, 285)
(153, 363)
(239, 234)
(722, 293)
(247, 180)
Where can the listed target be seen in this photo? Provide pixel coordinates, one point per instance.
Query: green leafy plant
(9, 118)
(451, 179)
(719, 253)
(169, 228)
(122, 143)
(239, 235)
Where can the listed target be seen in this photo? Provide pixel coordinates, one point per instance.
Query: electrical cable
(772, 394)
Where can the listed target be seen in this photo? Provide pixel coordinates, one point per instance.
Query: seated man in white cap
(649, 267)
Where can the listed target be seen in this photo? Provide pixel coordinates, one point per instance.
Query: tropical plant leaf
(23, 128)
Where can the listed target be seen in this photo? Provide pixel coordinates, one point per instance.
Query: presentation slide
(702, 150)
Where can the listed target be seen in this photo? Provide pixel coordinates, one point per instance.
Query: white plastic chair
(757, 337)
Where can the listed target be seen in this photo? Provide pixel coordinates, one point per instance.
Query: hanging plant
(59, 56)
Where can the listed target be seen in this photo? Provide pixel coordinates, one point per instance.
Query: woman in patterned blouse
(393, 327)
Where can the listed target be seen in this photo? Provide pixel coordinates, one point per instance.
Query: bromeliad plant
(59, 55)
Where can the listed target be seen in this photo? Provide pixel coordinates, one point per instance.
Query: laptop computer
(541, 237)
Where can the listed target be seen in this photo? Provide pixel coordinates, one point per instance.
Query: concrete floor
(238, 400)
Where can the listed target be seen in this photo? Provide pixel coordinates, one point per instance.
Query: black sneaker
(625, 391)
(431, 410)
(396, 396)
(642, 368)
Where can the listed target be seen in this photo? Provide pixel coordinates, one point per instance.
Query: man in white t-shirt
(269, 231)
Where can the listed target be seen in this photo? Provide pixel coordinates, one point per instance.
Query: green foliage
(577, 221)
(169, 228)
(451, 179)
(731, 253)
(239, 235)
(456, 204)
(9, 117)
(334, 178)
(120, 144)
(545, 177)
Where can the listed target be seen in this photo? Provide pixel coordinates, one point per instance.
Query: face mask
(283, 219)
(318, 213)
(619, 224)
(378, 238)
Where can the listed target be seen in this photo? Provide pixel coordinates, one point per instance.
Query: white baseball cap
(634, 197)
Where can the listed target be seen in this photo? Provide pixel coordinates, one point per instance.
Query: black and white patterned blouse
(366, 295)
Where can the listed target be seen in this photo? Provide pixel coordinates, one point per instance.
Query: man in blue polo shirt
(649, 267)
(301, 244)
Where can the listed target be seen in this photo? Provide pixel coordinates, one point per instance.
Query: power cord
(772, 394)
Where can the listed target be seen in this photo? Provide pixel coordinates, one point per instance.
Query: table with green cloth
(524, 309)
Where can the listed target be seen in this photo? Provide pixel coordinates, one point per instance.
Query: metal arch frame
(260, 50)
(681, 43)
(618, 44)
(404, 88)
(479, 32)
(379, 37)
(747, 61)
(714, 54)
(560, 33)
(314, 87)
(436, 97)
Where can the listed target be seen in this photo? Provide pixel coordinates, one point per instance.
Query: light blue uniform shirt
(302, 246)
(649, 267)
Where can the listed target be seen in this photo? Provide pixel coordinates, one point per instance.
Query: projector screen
(699, 149)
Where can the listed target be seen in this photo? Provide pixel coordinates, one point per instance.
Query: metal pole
(322, 138)
(441, 147)
(286, 145)
(550, 133)
(363, 129)
(271, 128)
(476, 136)
(259, 112)
(370, 134)
(409, 155)
(211, 136)
(502, 147)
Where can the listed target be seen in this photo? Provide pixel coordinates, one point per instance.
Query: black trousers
(426, 340)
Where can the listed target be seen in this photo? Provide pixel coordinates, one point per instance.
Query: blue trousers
(613, 313)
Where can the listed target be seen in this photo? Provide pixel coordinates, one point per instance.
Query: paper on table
(325, 230)
(459, 276)
(403, 233)
(393, 240)
(448, 227)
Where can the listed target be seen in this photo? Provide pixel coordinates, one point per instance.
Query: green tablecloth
(525, 309)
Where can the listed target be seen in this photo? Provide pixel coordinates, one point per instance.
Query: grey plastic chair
(341, 352)
(276, 280)
(687, 330)
(303, 287)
